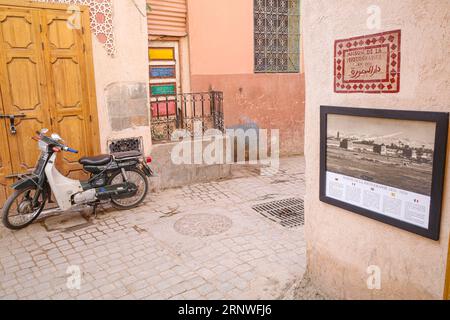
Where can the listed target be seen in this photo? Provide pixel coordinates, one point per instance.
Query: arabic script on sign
(367, 64)
(373, 70)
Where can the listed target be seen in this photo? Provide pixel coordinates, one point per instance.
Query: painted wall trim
(447, 281)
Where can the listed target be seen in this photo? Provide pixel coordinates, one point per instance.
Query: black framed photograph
(387, 165)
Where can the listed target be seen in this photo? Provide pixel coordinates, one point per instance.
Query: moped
(119, 178)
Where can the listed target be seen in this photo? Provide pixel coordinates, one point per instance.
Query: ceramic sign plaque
(368, 64)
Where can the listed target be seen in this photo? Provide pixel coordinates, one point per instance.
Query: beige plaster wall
(129, 65)
(340, 244)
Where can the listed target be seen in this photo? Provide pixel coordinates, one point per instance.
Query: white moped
(120, 178)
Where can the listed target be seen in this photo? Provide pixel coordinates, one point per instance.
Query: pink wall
(221, 58)
(221, 36)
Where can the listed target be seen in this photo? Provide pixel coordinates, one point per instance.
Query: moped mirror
(44, 131)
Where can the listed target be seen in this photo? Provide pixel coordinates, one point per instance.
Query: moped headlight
(56, 137)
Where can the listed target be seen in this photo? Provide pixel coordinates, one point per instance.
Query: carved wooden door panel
(23, 84)
(68, 89)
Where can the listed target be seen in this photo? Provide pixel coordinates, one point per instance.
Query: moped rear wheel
(23, 207)
(139, 179)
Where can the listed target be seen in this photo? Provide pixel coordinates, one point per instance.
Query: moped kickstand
(94, 209)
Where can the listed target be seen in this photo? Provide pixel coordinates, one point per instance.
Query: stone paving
(197, 242)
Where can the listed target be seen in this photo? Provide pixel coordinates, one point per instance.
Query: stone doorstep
(65, 221)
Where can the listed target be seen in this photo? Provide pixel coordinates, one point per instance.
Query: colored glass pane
(162, 72)
(162, 89)
(161, 54)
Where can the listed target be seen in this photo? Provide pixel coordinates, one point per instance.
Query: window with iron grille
(277, 36)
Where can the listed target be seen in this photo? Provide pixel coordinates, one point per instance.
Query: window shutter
(167, 17)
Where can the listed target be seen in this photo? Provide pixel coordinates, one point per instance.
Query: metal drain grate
(289, 213)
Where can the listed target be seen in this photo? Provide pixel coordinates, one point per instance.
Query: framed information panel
(387, 165)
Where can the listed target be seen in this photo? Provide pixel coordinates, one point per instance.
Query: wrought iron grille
(124, 145)
(186, 111)
(277, 36)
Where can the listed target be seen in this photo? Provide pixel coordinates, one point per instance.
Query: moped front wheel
(23, 207)
(139, 179)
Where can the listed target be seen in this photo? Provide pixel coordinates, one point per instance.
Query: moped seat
(99, 160)
(126, 155)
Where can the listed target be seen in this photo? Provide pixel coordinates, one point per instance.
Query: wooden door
(23, 84)
(64, 50)
(46, 75)
(5, 163)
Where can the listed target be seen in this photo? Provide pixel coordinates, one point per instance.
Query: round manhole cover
(203, 225)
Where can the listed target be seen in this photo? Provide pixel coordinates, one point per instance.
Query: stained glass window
(277, 36)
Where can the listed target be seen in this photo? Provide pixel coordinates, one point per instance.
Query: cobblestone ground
(197, 242)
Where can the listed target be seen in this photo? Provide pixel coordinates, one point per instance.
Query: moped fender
(26, 182)
(147, 171)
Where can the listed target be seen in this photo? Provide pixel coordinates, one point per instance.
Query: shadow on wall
(268, 101)
(247, 125)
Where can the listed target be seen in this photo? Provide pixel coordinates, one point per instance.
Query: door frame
(88, 55)
(5, 155)
(90, 74)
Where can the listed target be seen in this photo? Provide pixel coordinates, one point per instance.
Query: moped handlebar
(70, 150)
(55, 143)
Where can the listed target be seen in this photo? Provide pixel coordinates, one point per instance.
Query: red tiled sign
(368, 64)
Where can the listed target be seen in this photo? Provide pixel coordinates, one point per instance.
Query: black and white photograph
(394, 153)
(387, 165)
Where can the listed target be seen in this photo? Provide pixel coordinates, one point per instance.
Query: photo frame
(387, 165)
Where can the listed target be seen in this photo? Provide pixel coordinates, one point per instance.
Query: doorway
(46, 81)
